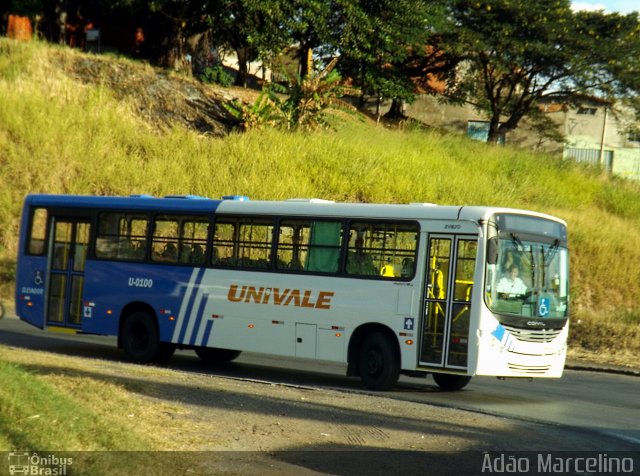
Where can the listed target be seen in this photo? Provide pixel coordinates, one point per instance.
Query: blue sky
(610, 6)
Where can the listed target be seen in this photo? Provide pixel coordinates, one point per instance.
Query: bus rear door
(65, 283)
(447, 302)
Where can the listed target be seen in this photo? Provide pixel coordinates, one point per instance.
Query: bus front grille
(533, 335)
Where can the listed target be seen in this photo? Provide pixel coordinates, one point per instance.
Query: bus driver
(511, 285)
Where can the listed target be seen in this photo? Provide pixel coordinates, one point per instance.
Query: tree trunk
(397, 110)
(172, 54)
(306, 61)
(495, 133)
(243, 66)
(199, 47)
(61, 21)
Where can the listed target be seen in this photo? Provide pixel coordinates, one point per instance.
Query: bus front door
(447, 302)
(67, 257)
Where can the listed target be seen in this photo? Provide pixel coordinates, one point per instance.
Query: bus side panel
(283, 314)
(30, 289)
(293, 314)
(110, 286)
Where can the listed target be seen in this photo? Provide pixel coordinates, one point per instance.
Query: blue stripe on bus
(189, 309)
(196, 328)
(207, 333)
(183, 305)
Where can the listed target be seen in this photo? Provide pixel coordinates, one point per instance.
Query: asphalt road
(596, 402)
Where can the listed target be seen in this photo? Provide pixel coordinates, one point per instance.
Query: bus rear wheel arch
(140, 339)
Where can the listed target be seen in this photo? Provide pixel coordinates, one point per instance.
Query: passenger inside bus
(170, 252)
(407, 268)
(388, 270)
(511, 285)
(359, 262)
(197, 254)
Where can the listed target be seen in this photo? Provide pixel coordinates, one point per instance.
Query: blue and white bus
(387, 289)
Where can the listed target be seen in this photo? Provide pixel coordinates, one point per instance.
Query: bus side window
(312, 246)
(254, 243)
(164, 247)
(193, 240)
(324, 247)
(121, 236)
(385, 250)
(293, 245)
(243, 242)
(38, 232)
(359, 259)
(223, 244)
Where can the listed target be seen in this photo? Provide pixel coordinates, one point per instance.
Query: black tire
(212, 355)
(378, 362)
(165, 353)
(140, 340)
(451, 383)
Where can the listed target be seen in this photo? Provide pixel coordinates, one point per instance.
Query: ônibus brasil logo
(24, 462)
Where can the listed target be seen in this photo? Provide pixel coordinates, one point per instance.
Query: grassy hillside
(60, 134)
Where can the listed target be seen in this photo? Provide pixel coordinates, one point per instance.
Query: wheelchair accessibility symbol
(544, 306)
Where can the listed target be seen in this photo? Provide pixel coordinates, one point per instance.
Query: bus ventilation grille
(533, 335)
(529, 369)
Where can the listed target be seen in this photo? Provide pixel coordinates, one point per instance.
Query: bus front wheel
(378, 362)
(141, 341)
(450, 383)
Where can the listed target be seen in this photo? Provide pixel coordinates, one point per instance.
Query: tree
(387, 47)
(175, 20)
(166, 24)
(313, 27)
(516, 52)
(254, 29)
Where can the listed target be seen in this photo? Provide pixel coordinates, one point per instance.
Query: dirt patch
(162, 98)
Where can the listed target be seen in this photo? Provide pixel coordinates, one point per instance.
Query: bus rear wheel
(450, 383)
(378, 362)
(212, 355)
(141, 341)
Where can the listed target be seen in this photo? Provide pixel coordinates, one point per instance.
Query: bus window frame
(311, 219)
(47, 224)
(373, 221)
(344, 247)
(95, 234)
(346, 223)
(58, 212)
(237, 217)
(182, 217)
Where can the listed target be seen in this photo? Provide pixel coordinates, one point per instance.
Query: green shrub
(216, 75)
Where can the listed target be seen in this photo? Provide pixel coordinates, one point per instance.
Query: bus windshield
(527, 277)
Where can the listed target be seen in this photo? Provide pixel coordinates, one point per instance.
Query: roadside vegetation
(62, 135)
(61, 405)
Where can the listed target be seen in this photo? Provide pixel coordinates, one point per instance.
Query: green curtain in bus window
(324, 247)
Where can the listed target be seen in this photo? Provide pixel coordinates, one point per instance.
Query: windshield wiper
(516, 239)
(550, 253)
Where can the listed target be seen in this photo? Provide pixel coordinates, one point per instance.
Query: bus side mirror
(492, 250)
